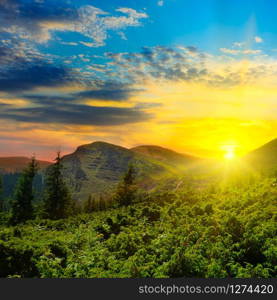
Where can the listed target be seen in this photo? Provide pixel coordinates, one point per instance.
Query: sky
(195, 76)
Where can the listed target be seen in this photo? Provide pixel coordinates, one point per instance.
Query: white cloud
(122, 35)
(69, 43)
(238, 44)
(132, 19)
(238, 52)
(90, 21)
(258, 39)
(249, 51)
(161, 3)
(229, 51)
(95, 23)
(88, 44)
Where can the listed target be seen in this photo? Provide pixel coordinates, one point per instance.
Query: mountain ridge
(97, 167)
(263, 157)
(164, 154)
(13, 164)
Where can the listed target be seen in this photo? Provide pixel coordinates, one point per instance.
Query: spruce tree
(58, 203)
(102, 203)
(126, 190)
(1, 195)
(88, 205)
(22, 208)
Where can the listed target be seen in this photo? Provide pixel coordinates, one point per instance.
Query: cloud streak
(240, 51)
(31, 76)
(76, 114)
(106, 91)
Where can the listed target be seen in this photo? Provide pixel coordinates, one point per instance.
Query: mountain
(10, 169)
(15, 164)
(165, 155)
(265, 157)
(97, 167)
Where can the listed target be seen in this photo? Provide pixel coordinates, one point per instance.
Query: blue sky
(208, 24)
(87, 68)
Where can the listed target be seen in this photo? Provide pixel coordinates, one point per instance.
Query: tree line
(57, 202)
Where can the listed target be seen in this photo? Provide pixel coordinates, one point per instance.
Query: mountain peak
(97, 167)
(98, 146)
(98, 143)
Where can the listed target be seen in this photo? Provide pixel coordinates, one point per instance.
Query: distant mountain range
(15, 164)
(96, 168)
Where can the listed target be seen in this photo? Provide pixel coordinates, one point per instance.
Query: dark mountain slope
(96, 168)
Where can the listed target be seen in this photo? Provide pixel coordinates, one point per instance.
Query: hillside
(215, 233)
(264, 157)
(97, 167)
(15, 164)
(165, 155)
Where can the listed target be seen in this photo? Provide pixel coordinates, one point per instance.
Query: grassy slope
(213, 233)
(165, 155)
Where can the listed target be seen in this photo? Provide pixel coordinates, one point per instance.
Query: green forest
(221, 229)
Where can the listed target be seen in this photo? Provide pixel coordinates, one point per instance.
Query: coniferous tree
(22, 208)
(58, 203)
(102, 203)
(1, 195)
(127, 189)
(88, 205)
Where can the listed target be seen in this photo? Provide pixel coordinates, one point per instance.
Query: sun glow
(229, 152)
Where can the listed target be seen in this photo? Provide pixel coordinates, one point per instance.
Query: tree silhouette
(89, 205)
(58, 203)
(126, 190)
(22, 208)
(1, 195)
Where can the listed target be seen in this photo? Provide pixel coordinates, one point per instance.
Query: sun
(229, 155)
(229, 152)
